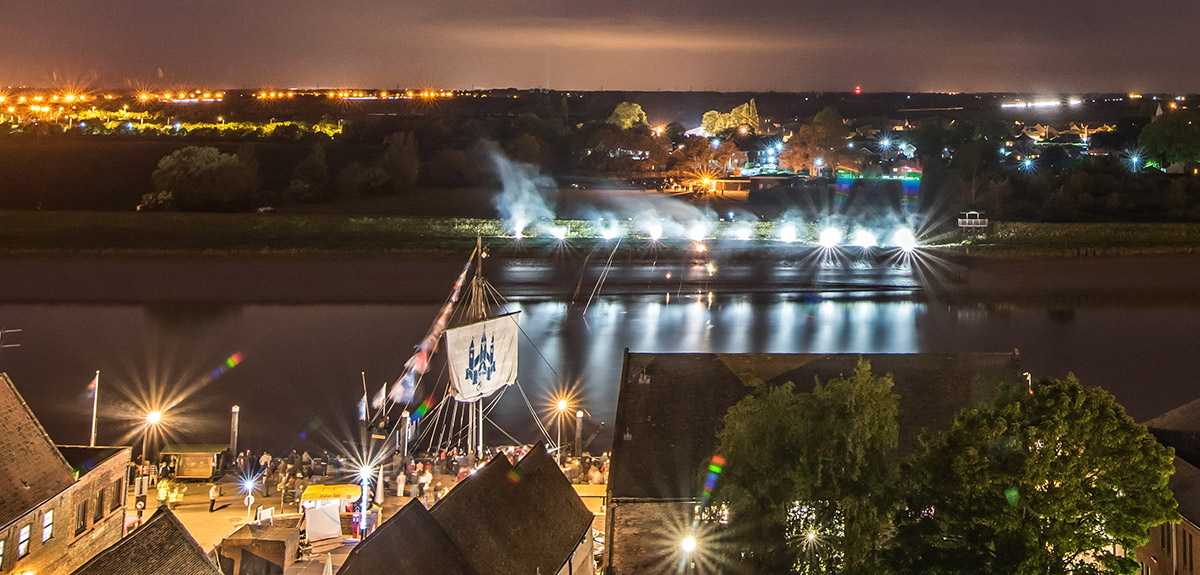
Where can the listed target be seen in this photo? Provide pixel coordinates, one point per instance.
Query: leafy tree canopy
(807, 474)
(1047, 482)
(628, 115)
(202, 178)
(1173, 137)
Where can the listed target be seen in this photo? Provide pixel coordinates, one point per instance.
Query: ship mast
(476, 311)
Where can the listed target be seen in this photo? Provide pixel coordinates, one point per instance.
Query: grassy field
(170, 232)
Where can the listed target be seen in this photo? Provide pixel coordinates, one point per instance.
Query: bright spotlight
(812, 536)
(1027, 164)
(697, 232)
(247, 485)
(885, 143)
(688, 544)
(743, 233)
(830, 238)
(609, 232)
(364, 473)
(562, 405)
(154, 417)
(559, 232)
(787, 232)
(904, 239)
(865, 239)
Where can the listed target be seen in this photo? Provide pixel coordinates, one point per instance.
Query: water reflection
(302, 364)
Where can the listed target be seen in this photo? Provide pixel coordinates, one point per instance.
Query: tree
(310, 179)
(817, 144)
(204, 179)
(400, 160)
(744, 116)
(628, 115)
(1171, 138)
(1047, 481)
(806, 475)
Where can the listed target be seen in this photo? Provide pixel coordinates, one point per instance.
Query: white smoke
(522, 200)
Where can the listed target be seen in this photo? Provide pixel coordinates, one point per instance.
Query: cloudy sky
(920, 45)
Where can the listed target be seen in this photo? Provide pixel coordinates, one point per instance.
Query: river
(295, 368)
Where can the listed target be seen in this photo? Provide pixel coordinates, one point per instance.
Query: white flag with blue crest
(482, 356)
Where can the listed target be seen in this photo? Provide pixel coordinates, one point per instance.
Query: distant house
(671, 405)
(505, 519)
(161, 546)
(59, 507)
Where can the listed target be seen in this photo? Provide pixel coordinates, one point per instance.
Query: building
(161, 546)
(59, 507)
(671, 405)
(523, 518)
(1172, 547)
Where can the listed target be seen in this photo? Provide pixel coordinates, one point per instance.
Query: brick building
(1172, 547)
(671, 405)
(59, 507)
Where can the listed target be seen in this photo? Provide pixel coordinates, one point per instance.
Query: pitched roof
(504, 519)
(671, 405)
(83, 458)
(161, 546)
(515, 519)
(410, 542)
(1180, 429)
(33, 469)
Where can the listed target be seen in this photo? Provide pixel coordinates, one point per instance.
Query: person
(213, 492)
(423, 484)
(595, 477)
(437, 492)
(400, 483)
(264, 461)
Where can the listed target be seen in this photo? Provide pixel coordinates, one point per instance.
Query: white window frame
(23, 540)
(48, 525)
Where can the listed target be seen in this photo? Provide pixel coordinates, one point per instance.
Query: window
(1, 554)
(23, 541)
(99, 506)
(81, 517)
(117, 495)
(47, 525)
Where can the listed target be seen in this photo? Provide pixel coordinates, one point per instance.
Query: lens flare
(904, 239)
(865, 238)
(559, 232)
(830, 238)
(787, 232)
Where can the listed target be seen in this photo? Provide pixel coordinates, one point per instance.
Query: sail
(482, 356)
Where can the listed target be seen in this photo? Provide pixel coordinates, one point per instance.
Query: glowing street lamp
(248, 487)
(152, 419)
(688, 544)
(561, 407)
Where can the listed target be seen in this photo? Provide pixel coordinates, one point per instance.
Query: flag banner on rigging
(482, 356)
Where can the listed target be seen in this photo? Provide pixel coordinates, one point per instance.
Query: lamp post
(579, 433)
(562, 406)
(689, 546)
(152, 419)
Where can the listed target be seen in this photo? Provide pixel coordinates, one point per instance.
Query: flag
(418, 364)
(483, 356)
(94, 382)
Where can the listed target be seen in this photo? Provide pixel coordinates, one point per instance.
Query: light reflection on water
(303, 362)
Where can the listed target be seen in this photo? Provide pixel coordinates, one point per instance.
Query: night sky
(907, 45)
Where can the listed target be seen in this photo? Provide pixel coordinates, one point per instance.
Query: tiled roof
(161, 546)
(410, 542)
(505, 519)
(671, 405)
(33, 470)
(515, 519)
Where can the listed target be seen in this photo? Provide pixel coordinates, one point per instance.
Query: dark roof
(671, 405)
(410, 542)
(33, 469)
(1185, 484)
(504, 519)
(161, 546)
(83, 458)
(515, 519)
(1179, 428)
(263, 532)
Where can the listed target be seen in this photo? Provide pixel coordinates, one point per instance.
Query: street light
(152, 419)
(562, 406)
